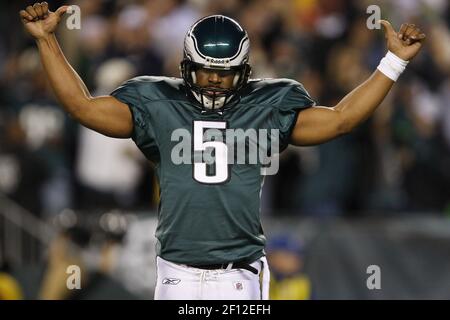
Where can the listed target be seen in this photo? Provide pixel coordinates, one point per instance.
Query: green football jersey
(209, 212)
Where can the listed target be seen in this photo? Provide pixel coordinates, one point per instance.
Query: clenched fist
(406, 43)
(39, 21)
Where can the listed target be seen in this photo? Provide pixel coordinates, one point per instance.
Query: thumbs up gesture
(39, 21)
(406, 43)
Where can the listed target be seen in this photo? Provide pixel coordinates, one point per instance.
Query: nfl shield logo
(238, 286)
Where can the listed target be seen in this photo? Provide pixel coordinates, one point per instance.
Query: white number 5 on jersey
(221, 174)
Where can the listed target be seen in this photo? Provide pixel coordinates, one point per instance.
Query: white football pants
(181, 282)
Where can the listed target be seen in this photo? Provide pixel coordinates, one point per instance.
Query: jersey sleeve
(143, 132)
(295, 99)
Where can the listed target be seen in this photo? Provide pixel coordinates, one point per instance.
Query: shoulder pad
(157, 87)
(279, 93)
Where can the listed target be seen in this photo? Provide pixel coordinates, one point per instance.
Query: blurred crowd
(396, 162)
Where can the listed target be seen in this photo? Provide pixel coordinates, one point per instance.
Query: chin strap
(236, 78)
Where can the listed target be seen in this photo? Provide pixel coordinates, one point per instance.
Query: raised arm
(104, 114)
(321, 124)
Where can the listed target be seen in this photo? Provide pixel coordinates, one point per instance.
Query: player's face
(215, 78)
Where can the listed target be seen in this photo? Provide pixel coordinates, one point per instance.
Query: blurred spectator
(167, 30)
(288, 281)
(9, 287)
(88, 244)
(109, 170)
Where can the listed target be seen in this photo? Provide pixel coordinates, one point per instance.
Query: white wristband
(392, 66)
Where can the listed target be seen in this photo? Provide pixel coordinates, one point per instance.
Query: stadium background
(379, 196)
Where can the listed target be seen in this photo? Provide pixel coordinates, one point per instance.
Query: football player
(210, 239)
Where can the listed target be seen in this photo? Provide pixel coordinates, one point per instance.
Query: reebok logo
(171, 281)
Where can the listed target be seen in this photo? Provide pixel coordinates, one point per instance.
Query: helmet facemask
(213, 98)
